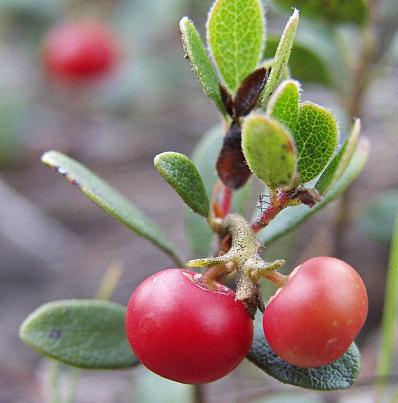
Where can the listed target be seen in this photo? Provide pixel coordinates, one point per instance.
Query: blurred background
(55, 244)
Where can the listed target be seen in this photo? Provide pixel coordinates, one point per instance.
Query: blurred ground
(55, 244)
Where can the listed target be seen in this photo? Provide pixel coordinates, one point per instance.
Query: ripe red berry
(315, 317)
(184, 332)
(79, 50)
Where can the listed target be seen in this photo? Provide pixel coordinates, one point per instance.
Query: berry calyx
(313, 319)
(185, 332)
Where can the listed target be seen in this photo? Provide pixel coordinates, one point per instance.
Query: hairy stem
(198, 394)
(278, 201)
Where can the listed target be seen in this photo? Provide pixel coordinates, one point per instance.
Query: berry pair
(183, 331)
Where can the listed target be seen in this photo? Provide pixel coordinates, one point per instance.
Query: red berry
(184, 332)
(79, 50)
(315, 317)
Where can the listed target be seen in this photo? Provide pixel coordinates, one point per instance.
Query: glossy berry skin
(314, 318)
(79, 50)
(185, 332)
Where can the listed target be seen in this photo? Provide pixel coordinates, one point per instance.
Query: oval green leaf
(340, 161)
(269, 151)
(340, 374)
(316, 137)
(109, 199)
(281, 58)
(180, 172)
(284, 104)
(200, 61)
(305, 65)
(236, 36)
(83, 333)
(292, 217)
(336, 11)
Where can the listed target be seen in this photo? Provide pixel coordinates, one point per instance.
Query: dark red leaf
(249, 91)
(307, 196)
(231, 164)
(227, 100)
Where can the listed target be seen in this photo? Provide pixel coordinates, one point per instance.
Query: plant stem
(278, 201)
(198, 394)
(226, 202)
(55, 369)
(389, 313)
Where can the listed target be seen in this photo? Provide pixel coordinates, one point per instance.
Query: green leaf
(316, 138)
(109, 199)
(336, 11)
(281, 58)
(340, 374)
(236, 36)
(82, 333)
(340, 161)
(269, 151)
(377, 220)
(200, 62)
(180, 172)
(284, 104)
(292, 217)
(305, 64)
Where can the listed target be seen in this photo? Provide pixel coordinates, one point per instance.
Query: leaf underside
(281, 58)
(180, 172)
(200, 61)
(292, 217)
(340, 161)
(269, 151)
(109, 199)
(340, 374)
(284, 104)
(83, 333)
(235, 34)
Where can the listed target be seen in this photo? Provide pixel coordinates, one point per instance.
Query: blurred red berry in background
(80, 50)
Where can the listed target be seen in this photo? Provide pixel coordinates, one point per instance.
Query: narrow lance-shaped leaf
(281, 58)
(292, 217)
(284, 104)
(269, 151)
(200, 62)
(340, 374)
(109, 199)
(304, 63)
(83, 333)
(180, 172)
(235, 34)
(340, 161)
(316, 138)
(336, 11)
